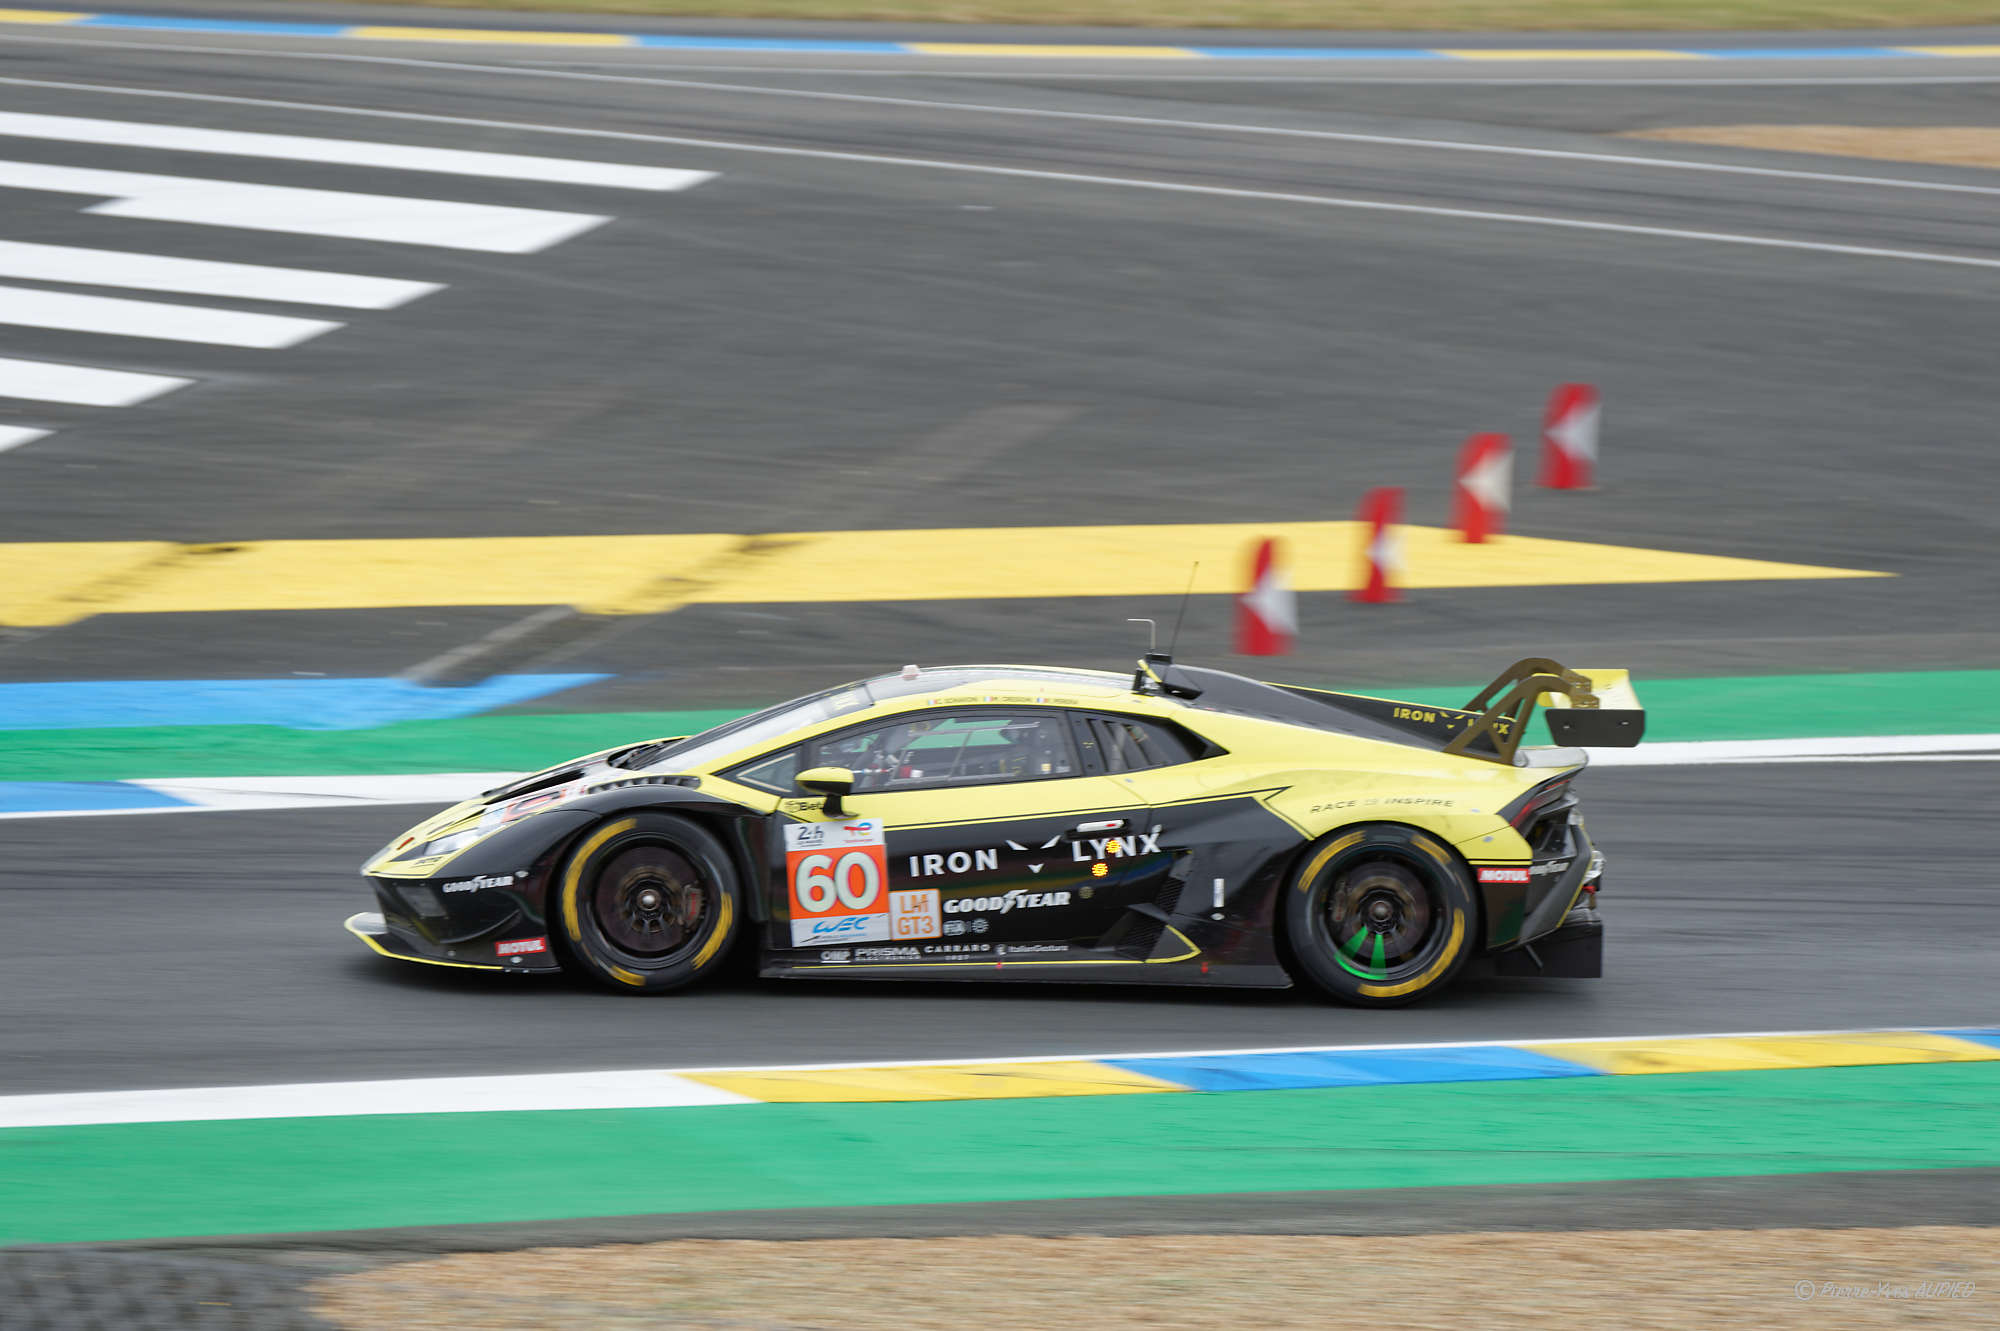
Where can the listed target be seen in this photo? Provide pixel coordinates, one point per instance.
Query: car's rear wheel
(647, 903)
(1380, 915)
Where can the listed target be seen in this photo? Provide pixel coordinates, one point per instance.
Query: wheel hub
(1381, 915)
(650, 901)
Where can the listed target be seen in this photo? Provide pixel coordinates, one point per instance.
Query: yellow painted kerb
(1750, 1053)
(970, 1081)
(39, 16)
(490, 35)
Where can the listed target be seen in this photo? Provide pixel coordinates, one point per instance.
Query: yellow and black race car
(1182, 826)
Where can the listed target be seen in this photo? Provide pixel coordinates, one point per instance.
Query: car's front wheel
(647, 903)
(1380, 915)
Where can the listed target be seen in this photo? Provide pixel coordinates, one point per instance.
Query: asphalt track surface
(205, 950)
(831, 334)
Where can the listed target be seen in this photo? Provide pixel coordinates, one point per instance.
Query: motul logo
(1503, 875)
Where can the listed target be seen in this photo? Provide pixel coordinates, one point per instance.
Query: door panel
(1053, 863)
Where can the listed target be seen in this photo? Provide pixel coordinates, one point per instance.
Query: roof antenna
(1178, 619)
(1152, 632)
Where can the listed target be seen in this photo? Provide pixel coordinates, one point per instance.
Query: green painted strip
(1936, 702)
(155, 1180)
(507, 743)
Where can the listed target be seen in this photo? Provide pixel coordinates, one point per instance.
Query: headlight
(447, 844)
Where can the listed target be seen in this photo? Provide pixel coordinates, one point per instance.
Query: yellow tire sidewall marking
(1319, 861)
(724, 918)
(573, 877)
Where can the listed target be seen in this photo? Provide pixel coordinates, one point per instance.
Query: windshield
(774, 723)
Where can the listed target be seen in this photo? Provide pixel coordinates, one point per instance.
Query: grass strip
(1345, 15)
(1751, 707)
(129, 1181)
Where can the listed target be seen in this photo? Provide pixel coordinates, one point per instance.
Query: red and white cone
(1381, 547)
(1267, 615)
(1569, 438)
(1485, 490)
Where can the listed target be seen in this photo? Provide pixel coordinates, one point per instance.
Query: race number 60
(852, 878)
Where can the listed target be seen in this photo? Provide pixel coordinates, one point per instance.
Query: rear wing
(1585, 709)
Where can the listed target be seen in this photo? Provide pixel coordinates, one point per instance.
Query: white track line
(306, 212)
(29, 308)
(1227, 127)
(426, 1095)
(13, 436)
(205, 277)
(1080, 178)
(46, 381)
(389, 156)
(1223, 126)
(1872, 748)
(639, 1089)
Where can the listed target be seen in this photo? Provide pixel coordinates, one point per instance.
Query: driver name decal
(838, 874)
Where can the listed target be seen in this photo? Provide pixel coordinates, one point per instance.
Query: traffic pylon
(1381, 558)
(1267, 615)
(1485, 488)
(1569, 438)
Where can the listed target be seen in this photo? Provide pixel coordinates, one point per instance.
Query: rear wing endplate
(1586, 709)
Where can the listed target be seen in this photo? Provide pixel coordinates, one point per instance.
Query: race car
(1181, 826)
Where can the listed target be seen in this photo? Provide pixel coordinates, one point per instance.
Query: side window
(1131, 745)
(954, 749)
(775, 773)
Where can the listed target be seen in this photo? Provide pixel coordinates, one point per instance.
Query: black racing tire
(647, 903)
(1380, 915)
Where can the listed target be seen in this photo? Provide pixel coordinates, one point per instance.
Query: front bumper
(521, 952)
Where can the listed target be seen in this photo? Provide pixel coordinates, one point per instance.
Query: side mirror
(832, 782)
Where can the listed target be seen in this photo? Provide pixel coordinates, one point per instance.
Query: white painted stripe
(307, 212)
(46, 381)
(652, 1089)
(205, 277)
(426, 1095)
(1114, 182)
(346, 152)
(13, 436)
(326, 792)
(1878, 748)
(1232, 127)
(30, 308)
